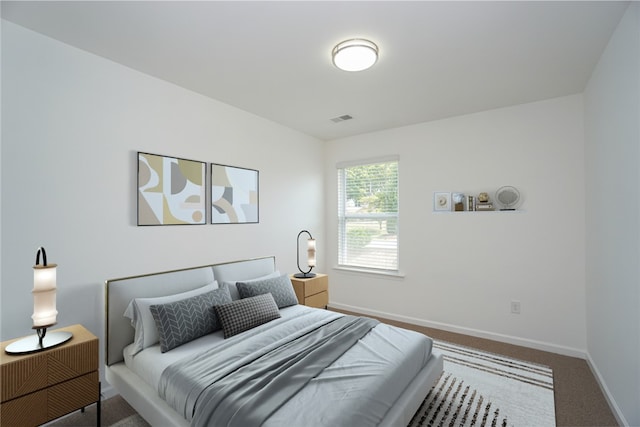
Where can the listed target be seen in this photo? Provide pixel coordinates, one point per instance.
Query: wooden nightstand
(38, 387)
(313, 291)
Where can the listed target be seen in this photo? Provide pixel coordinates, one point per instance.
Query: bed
(379, 377)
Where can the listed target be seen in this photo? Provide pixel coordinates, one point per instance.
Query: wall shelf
(478, 212)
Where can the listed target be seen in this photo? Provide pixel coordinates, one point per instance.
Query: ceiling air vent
(341, 118)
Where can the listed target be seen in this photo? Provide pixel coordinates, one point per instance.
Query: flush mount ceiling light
(355, 54)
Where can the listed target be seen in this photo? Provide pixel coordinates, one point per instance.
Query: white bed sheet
(361, 385)
(151, 362)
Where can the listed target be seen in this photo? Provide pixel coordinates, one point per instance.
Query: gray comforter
(243, 381)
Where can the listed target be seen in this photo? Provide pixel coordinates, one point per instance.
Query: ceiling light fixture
(355, 54)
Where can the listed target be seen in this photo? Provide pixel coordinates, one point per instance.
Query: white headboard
(119, 292)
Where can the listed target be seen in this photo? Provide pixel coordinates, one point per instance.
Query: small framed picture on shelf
(457, 200)
(441, 202)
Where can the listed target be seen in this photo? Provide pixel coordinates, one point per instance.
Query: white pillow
(233, 289)
(142, 320)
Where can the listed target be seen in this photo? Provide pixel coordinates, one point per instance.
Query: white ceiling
(437, 59)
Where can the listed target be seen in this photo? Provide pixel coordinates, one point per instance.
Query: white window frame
(344, 216)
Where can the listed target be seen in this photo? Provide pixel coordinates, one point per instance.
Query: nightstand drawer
(312, 287)
(70, 395)
(29, 410)
(319, 300)
(312, 291)
(23, 375)
(38, 387)
(28, 373)
(53, 402)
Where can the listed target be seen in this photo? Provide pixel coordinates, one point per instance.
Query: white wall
(463, 269)
(612, 134)
(72, 124)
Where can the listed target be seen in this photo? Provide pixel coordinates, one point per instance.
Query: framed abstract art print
(171, 191)
(234, 195)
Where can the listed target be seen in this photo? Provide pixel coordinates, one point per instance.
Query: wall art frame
(235, 195)
(441, 202)
(171, 190)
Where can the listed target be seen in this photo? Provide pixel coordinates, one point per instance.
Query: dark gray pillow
(280, 287)
(244, 314)
(233, 290)
(182, 321)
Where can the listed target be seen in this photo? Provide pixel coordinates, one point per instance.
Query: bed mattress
(357, 389)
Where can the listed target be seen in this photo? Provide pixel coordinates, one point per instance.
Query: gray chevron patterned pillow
(280, 287)
(244, 314)
(182, 321)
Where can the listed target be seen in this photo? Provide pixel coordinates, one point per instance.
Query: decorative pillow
(234, 290)
(244, 314)
(142, 321)
(182, 321)
(280, 287)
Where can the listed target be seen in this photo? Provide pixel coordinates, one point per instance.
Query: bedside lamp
(311, 256)
(44, 293)
(44, 310)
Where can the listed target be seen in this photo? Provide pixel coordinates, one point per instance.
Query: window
(368, 215)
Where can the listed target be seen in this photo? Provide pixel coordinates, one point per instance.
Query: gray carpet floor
(579, 401)
(578, 398)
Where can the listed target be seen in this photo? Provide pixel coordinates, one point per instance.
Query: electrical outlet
(515, 307)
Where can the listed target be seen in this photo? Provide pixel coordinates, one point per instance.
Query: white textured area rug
(484, 389)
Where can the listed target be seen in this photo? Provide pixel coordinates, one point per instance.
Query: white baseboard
(620, 418)
(107, 390)
(538, 345)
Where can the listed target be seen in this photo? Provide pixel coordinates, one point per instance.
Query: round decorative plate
(508, 197)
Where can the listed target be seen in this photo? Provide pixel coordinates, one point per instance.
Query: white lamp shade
(44, 295)
(355, 55)
(311, 252)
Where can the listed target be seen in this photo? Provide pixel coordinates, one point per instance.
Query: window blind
(368, 216)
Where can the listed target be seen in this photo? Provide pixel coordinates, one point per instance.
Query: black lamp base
(304, 275)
